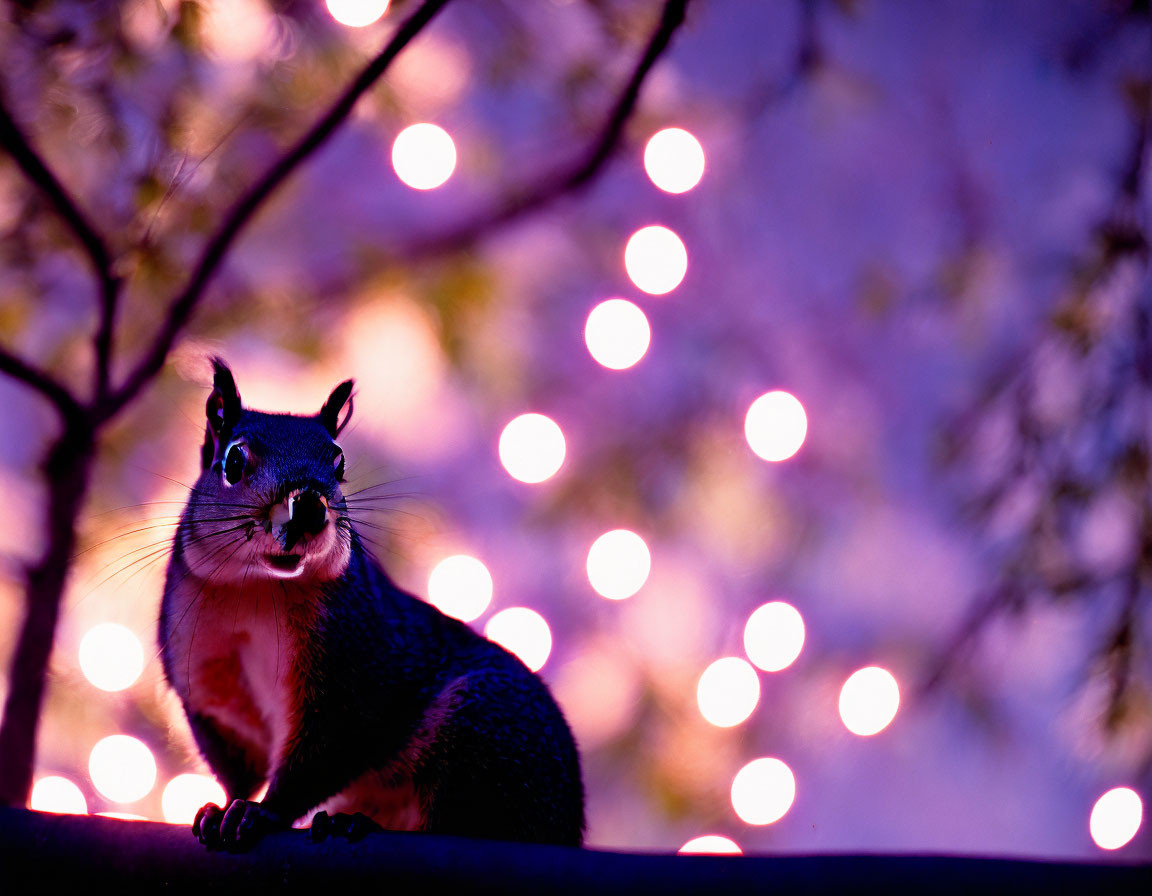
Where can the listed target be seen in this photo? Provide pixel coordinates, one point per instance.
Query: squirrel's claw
(351, 827)
(236, 829)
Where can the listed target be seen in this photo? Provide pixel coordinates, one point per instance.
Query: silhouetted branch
(42, 382)
(247, 206)
(34, 168)
(65, 853)
(579, 173)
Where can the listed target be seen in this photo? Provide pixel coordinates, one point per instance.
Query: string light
(618, 564)
(869, 700)
(357, 13)
(111, 657)
(763, 791)
(774, 636)
(655, 259)
(776, 425)
(524, 632)
(617, 334)
(728, 692)
(185, 794)
(424, 156)
(460, 586)
(674, 160)
(122, 768)
(54, 793)
(532, 448)
(710, 844)
(1116, 817)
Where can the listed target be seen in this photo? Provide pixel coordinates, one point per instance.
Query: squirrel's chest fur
(234, 658)
(239, 657)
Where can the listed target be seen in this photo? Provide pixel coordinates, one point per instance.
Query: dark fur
(503, 764)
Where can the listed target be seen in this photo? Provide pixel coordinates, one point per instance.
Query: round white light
(618, 564)
(1116, 818)
(728, 692)
(532, 448)
(53, 793)
(424, 156)
(185, 794)
(869, 700)
(710, 844)
(524, 632)
(111, 656)
(776, 425)
(763, 791)
(357, 13)
(674, 160)
(122, 768)
(617, 334)
(774, 636)
(460, 586)
(655, 259)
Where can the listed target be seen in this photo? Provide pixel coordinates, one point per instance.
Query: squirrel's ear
(222, 409)
(330, 414)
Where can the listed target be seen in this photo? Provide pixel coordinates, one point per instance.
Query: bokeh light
(774, 636)
(728, 692)
(655, 259)
(460, 586)
(524, 632)
(424, 156)
(763, 791)
(618, 564)
(617, 334)
(122, 768)
(185, 794)
(357, 13)
(775, 425)
(869, 700)
(111, 656)
(532, 448)
(1116, 818)
(54, 793)
(674, 160)
(710, 844)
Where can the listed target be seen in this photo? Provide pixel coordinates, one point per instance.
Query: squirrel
(299, 662)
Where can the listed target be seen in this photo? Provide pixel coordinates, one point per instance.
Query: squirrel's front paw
(350, 827)
(240, 827)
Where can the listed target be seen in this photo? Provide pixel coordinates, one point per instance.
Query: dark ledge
(80, 854)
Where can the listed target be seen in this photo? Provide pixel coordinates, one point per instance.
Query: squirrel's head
(268, 501)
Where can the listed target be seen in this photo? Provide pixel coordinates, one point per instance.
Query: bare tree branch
(247, 206)
(34, 168)
(43, 383)
(555, 184)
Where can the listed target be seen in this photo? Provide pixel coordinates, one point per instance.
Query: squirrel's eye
(235, 460)
(338, 466)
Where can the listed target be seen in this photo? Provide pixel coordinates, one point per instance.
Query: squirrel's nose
(307, 512)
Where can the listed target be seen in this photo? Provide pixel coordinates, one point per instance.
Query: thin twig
(555, 184)
(34, 168)
(250, 203)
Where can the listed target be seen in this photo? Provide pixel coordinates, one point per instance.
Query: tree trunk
(66, 469)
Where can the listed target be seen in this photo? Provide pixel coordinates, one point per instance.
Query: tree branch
(555, 184)
(34, 168)
(43, 383)
(247, 206)
(69, 853)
